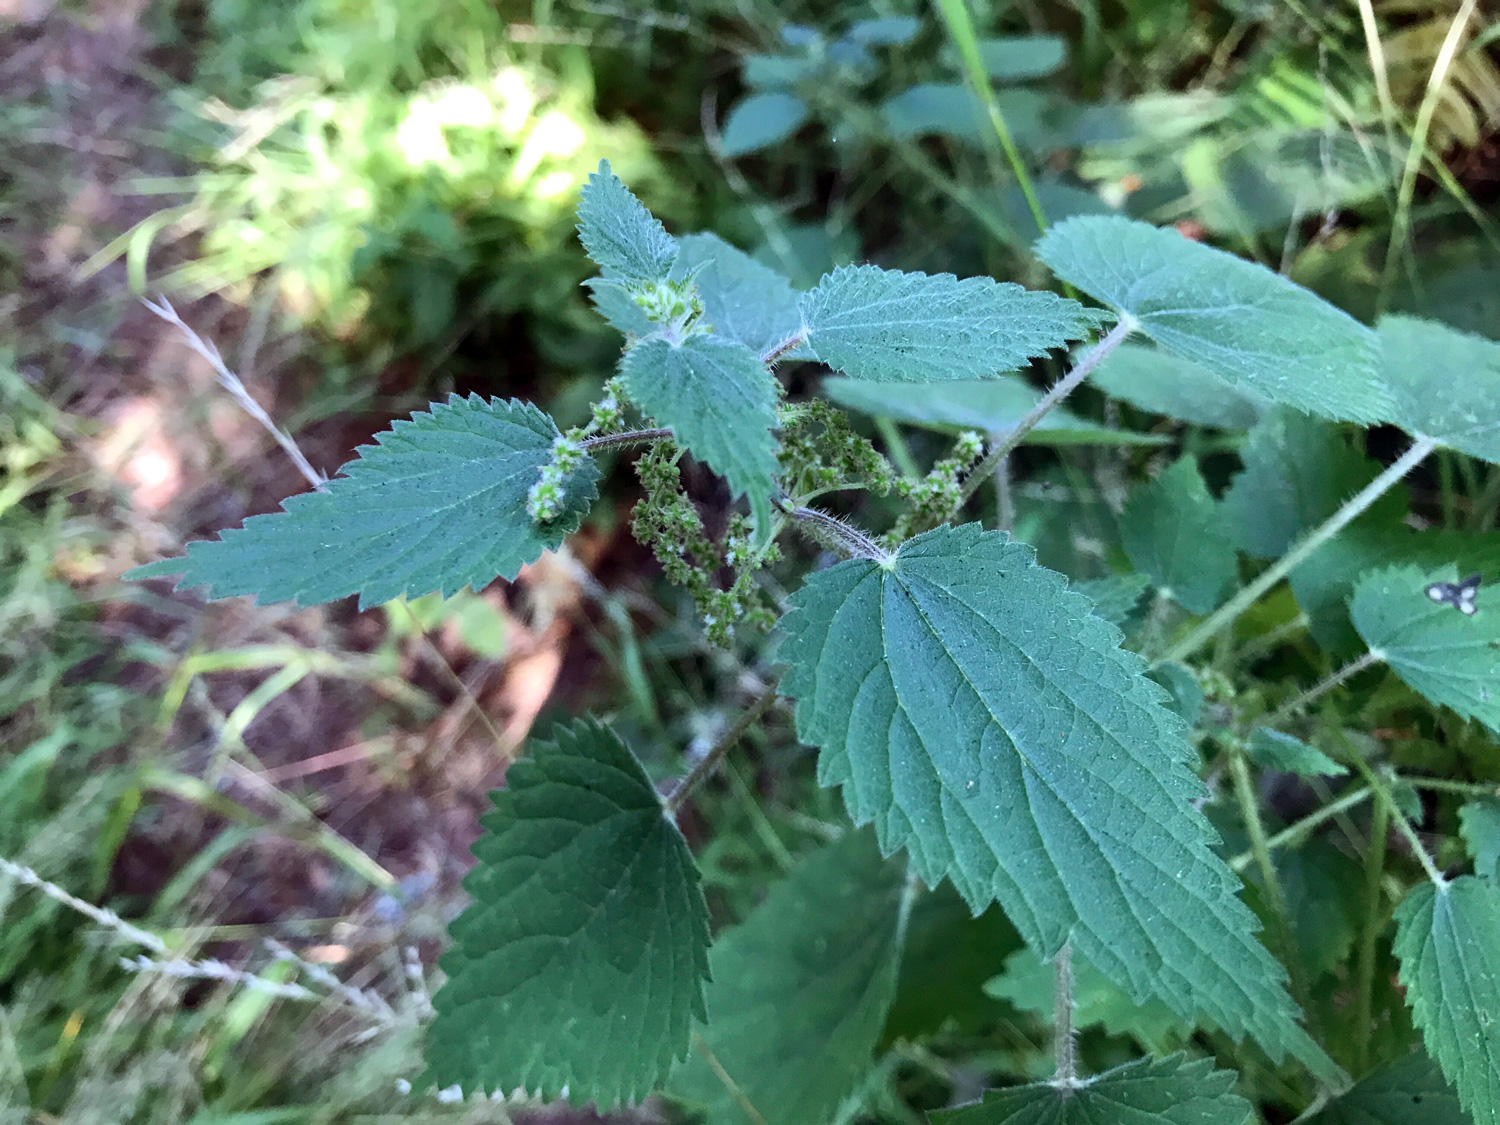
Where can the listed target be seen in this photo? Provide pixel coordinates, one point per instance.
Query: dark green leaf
(1185, 694)
(438, 504)
(720, 402)
(800, 992)
(1115, 597)
(1409, 1092)
(1170, 1091)
(889, 326)
(950, 110)
(1446, 384)
(1254, 328)
(1155, 380)
(1173, 530)
(1015, 749)
(1451, 659)
(1324, 894)
(1479, 822)
(623, 238)
(581, 962)
(1272, 750)
(762, 120)
(1448, 942)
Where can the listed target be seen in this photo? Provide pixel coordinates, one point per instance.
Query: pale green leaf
(1272, 750)
(612, 301)
(581, 962)
(777, 72)
(1298, 472)
(1254, 328)
(889, 326)
(624, 239)
(1059, 198)
(1030, 984)
(1149, 1091)
(893, 31)
(437, 504)
(1184, 693)
(742, 299)
(1479, 822)
(1115, 597)
(800, 992)
(762, 120)
(1448, 942)
(1451, 659)
(1155, 380)
(1446, 384)
(950, 110)
(1173, 530)
(1016, 58)
(988, 405)
(1017, 750)
(1409, 1092)
(720, 402)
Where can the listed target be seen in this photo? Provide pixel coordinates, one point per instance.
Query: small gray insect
(1460, 595)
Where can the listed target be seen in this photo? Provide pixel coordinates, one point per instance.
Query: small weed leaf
(1272, 750)
(893, 31)
(1446, 384)
(439, 503)
(720, 402)
(1479, 822)
(889, 326)
(1409, 1092)
(800, 991)
(760, 121)
(1451, 659)
(625, 240)
(1448, 942)
(988, 405)
(582, 960)
(985, 720)
(1174, 531)
(1155, 380)
(1030, 984)
(743, 300)
(1252, 327)
(1115, 597)
(1019, 58)
(1169, 1091)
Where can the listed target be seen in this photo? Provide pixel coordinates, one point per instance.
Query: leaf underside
(800, 992)
(1254, 328)
(581, 962)
(891, 327)
(1448, 942)
(439, 503)
(1446, 384)
(1155, 380)
(1479, 822)
(1014, 748)
(1149, 1091)
(1451, 659)
(1174, 531)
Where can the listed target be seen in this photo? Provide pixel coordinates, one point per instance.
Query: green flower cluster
(938, 496)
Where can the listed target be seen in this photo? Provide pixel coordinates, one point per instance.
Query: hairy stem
(1064, 1043)
(710, 761)
(1326, 684)
(1364, 965)
(1060, 390)
(1356, 505)
(1244, 792)
(629, 437)
(1295, 832)
(833, 533)
(1398, 818)
(776, 351)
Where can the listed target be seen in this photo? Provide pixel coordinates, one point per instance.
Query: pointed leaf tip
(624, 239)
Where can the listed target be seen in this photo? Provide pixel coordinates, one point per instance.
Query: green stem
(1060, 390)
(1244, 792)
(1398, 818)
(1326, 684)
(710, 761)
(1364, 970)
(896, 446)
(1466, 788)
(1295, 832)
(1064, 1043)
(1226, 614)
(838, 536)
(629, 437)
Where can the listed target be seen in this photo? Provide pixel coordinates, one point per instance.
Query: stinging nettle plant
(972, 706)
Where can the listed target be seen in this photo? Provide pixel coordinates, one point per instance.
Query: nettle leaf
(1115, 597)
(1184, 693)
(624, 239)
(1030, 984)
(1451, 659)
(800, 991)
(1298, 472)
(1448, 942)
(988, 405)
(890, 326)
(1409, 1092)
(720, 402)
(892, 31)
(1479, 823)
(581, 963)
(946, 109)
(1155, 380)
(1254, 328)
(1017, 58)
(1323, 891)
(1170, 1091)
(1017, 750)
(1272, 750)
(762, 120)
(1173, 530)
(439, 503)
(743, 299)
(1446, 384)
